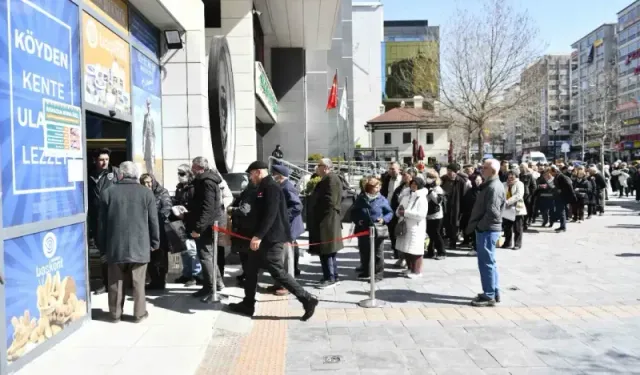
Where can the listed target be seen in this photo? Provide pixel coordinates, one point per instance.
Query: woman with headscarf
(413, 212)
(159, 263)
(191, 266)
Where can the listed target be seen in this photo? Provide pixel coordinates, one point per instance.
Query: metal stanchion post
(215, 297)
(372, 301)
(290, 265)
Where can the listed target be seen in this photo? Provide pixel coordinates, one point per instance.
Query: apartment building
(628, 109)
(546, 86)
(593, 61)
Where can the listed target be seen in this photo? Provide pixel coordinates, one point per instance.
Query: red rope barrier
(232, 234)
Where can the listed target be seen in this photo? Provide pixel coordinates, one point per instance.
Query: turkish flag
(332, 102)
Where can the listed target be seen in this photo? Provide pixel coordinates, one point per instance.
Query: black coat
(183, 195)
(583, 190)
(529, 184)
(564, 188)
(453, 209)
(243, 218)
(272, 218)
(163, 203)
(324, 218)
(205, 206)
(99, 181)
(128, 225)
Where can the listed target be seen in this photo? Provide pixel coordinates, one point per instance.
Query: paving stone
(379, 360)
(515, 357)
(482, 358)
(444, 358)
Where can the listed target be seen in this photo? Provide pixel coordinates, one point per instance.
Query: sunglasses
(182, 174)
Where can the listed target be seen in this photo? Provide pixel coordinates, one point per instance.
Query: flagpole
(338, 118)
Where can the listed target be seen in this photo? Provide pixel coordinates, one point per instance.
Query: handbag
(381, 230)
(176, 236)
(401, 227)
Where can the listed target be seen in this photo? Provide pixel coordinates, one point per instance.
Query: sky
(560, 22)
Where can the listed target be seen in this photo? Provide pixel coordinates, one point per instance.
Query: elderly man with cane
(267, 245)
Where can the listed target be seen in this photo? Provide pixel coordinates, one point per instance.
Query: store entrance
(103, 132)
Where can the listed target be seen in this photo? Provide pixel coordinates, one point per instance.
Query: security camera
(112, 113)
(257, 12)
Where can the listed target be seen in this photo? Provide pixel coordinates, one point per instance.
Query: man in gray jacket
(128, 231)
(486, 222)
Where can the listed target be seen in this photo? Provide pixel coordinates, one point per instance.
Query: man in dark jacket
(101, 177)
(128, 231)
(324, 222)
(454, 186)
(486, 223)
(267, 245)
(564, 196)
(191, 266)
(390, 182)
(526, 177)
(277, 153)
(243, 222)
(281, 173)
(204, 211)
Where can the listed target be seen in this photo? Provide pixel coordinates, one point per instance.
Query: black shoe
(561, 230)
(363, 275)
(101, 290)
(242, 309)
(199, 280)
(182, 280)
(483, 301)
(378, 278)
(201, 293)
(506, 246)
(544, 224)
(359, 269)
(209, 298)
(429, 256)
(517, 247)
(220, 286)
(309, 309)
(297, 272)
(141, 318)
(155, 287)
(190, 282)
(497, 296)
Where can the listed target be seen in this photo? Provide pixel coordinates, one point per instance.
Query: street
(570, 304)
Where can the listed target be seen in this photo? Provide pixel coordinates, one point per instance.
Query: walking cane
(372, 302)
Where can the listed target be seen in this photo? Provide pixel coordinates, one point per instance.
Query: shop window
(406, 138)
(387, 138)
(429, 138)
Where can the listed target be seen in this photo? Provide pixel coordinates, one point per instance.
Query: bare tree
(601, 122)
(484, 54)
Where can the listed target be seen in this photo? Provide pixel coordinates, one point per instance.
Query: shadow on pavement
(403, 295)
(628, 255)
(625, 226)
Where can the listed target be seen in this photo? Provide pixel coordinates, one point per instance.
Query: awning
(160, 12)
(266, 102)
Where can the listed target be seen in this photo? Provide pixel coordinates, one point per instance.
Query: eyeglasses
(182, 174)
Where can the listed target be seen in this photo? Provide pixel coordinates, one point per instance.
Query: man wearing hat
(267, 245)
(281, 173)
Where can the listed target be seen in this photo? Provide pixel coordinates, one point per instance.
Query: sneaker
(483, 301)
(412, 275)
(559, 230)
(190, 282)
(517, 247)
(327, 284)
(472, 253)
(309, 309)
(441, 257)
(497, 296)
(401, 263)
(242, 309)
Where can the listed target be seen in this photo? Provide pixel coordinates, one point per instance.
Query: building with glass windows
(158, 82)
(628, 83)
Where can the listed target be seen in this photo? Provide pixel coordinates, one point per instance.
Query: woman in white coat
(515, 211)
(413, 212)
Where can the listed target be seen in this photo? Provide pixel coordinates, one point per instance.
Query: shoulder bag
(382, 231)
(401, 227)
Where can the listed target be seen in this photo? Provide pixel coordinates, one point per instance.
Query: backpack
(434, 205)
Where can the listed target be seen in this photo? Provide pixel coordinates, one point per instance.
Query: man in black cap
(267, 245)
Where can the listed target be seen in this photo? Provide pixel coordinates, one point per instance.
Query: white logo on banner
(49, 245)
(91, 34)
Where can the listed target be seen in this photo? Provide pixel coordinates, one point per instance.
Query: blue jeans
(486, 249)
(329, 266)
(191, 266)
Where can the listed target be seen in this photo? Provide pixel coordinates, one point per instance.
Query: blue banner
(147, 114)
(39, 59)
(46, 286)
(144, 33)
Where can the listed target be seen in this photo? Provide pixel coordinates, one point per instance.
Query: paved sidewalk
(570, 306)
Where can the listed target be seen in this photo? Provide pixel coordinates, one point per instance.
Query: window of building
(406, 138)
(407, 160)
(258, 39)
(429, 138)
(387, 138)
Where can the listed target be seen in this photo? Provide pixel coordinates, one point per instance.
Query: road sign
(565, 147)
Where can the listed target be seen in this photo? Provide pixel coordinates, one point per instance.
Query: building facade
(593, 68)
(158, 82)
(368, 34)
(411, 60)
(628, 84)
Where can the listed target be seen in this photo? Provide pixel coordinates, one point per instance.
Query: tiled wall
(185, 117)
